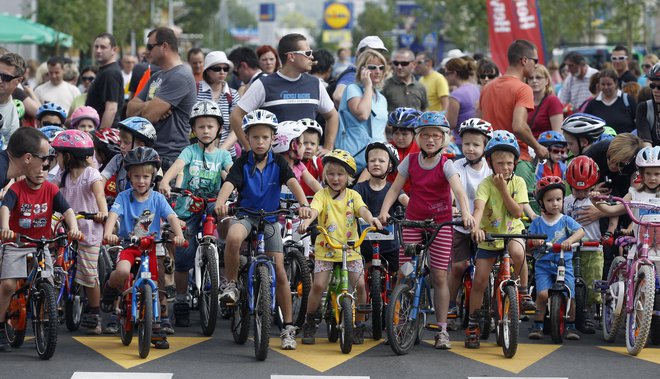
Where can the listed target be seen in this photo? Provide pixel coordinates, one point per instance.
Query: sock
(443, 326)
(287, 324)
(94, 310)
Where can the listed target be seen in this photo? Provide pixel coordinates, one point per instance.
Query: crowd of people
(356, 136)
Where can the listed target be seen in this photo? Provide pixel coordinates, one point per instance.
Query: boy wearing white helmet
(312, 137)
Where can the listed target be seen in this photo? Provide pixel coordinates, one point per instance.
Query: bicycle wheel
(125, 321)
(240, 317)
(300, 282)
(346, 327)
(557, 313)
(44, 319)
(509, 324)
(73, 307)
(375, 292)
(424, 309)
(611, 321)
(145, 320)
(655, 322)
(638, 322)
(104, 266)
(330, 320)
(263, 315)
(401, 329)
(208, 294)
(580, 304)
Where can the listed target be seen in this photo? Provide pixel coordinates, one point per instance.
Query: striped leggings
(439, 250)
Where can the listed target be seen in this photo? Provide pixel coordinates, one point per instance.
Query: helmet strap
(472, 161)
(430, 155)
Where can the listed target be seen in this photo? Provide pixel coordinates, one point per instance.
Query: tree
(375, 20)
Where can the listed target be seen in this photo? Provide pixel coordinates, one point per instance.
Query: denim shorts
(545, 272)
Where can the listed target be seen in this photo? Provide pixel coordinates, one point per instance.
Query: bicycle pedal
(529, 312)
(431, 326)
(452, 316)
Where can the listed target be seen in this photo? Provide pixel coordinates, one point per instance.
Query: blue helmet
(140, 128)
(403, 118)
(51, 131)
(51, 108)
(433, 119)
(502, 141)
(551, 138)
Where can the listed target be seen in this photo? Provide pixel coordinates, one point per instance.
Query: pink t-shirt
(80, 197)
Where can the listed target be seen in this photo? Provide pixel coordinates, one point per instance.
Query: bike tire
(424, 310)
(208, 294)
(346, 327)
(557, 316)
(299, 276)
(611, 322)
(73, 307)
(509, 324)
(401, 330)
(263, 315)
(125, 320)
(580, 305)
(330, 320)
(104, 266)
(240, 317)
(145, 322)
(638, 323)
(375, 292)
(45, 320)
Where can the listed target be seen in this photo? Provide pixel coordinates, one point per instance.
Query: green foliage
(375, 20)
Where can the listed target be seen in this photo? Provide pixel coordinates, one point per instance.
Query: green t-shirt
(496, 218)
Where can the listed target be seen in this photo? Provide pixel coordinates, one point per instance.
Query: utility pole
(109, 15)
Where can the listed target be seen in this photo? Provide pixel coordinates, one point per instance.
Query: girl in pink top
(288, 143)
(432, 177)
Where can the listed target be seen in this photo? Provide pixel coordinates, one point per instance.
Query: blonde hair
(446, 137)
(549, 88)
(330, 163)
(623, 148)
(365, 57)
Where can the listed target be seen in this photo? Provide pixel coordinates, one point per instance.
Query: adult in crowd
(214, 87)
(594, 89)
(196, 62)
(487, 70)
(71, 73)
(106, 94)
(343, 61)
(268, 60)
(291, 93)
(506, 101)
(322, 69)
(144, 67)
(620, 58)
(168, 96)
(649, 61)
(127, 63)
(437, 88)
(28, 148)
(246, 67)
(12, 69)
(612, 105)
(575, 88)
(648, 112)
(87, 77)
(56, 90)
(363, 109)
(465, 96)
(402, 89)
(548, 112)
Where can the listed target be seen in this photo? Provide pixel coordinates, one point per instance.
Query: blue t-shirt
(374, 200)
(139, 219)
(557, 232)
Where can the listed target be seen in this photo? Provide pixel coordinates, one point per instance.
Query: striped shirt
(575, 90)
(227, 101)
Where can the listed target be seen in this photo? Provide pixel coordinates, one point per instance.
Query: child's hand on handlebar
(100, 217)
(478, 235)
(164, 188)
(6, 234)
(566, 246)
(536, 243)
(75, 235)
(179, 241)
(111, 239)
(384, 218)
(221, 209)
(305, 212)
(468, 221)
(376, 223)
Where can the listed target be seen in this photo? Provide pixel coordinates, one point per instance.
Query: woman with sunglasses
(486, 71)
(647, 64)
(648, 112)
(612, 105)
(87, 76)
(548, 112)
(214, 87)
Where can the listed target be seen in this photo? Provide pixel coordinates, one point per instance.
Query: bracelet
(304, 206)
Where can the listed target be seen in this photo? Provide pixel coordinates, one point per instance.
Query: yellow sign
(337, 15)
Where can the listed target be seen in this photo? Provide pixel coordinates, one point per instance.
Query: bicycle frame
(143, 277)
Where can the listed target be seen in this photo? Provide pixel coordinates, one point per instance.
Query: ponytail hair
(463, 68)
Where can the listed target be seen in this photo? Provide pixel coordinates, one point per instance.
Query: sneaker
(528, 304)
(442, 341)
(472, 337)
(587, 327)
(109, 296)
(288, 336)
(535, 332)
(358, 334)
(309, 330)
(92, 322)
(230, 294)
(166, 326)
(571, 334)
(4, 343)
(112, 327)
(182, 314)
(159, 338)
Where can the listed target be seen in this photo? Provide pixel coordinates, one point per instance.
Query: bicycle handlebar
(39, 241)
(490, 237)
(556, 247)
(424, 224)
(632, 204)
(234, 211)
(357, 244)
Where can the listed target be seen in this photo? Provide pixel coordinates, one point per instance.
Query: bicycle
(629, 291)
(342, 315)
(411, 301)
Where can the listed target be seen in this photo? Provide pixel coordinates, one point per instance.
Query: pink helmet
(85, 112)
(75, 142)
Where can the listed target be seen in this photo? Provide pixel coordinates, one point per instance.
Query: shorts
(488, 254)
(87, 274)
(132, 253)
(545, 272)
(462, 247)
(272, 233)
(14, 263)
(439, 250)
(353, 266)
(184, 258)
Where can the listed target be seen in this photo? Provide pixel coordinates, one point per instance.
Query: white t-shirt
(471, 179)
(11, 122)
(62, 94)
(592, 230)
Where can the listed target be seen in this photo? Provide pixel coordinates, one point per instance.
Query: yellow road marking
(491, 354)
(648, 354)
(323, 355)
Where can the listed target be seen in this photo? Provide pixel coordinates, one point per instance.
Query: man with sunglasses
(12, 69)
(402, 89)
(27, 149)
(648, 112)
(106, 94)
(620, 58)
(575, 89)
(437, 88)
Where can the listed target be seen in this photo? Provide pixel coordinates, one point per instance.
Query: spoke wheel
(208, 294)
(73, 307)
(145, 320)
(509, 322)
(402, 331)
(330, 320)
(346, 327)
(612, 322)
(638, 322)
(263, 315)
(45, 320)
(125, 320)
(557, 316)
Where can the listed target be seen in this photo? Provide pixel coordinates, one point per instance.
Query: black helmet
(654, 72)
(141, 156)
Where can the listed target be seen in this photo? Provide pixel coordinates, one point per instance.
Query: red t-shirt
(549, 107)
(315, 167)
(30, 210)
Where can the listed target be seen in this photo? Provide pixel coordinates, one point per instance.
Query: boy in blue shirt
(258, 177)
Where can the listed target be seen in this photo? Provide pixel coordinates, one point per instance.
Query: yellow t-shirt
(496, 218)
(340, 218)
(436, 88)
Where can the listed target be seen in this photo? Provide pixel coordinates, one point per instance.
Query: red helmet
(547, 183)
(582, 173)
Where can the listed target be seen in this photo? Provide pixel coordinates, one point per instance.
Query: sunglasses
(654, 86)
(46, 158)
(8, 78)
(307, 53)
(557, 151)
(88, 78)
(373, 67)
(619, 58)
(489, 76)
(49, 123)
(401, 63)
(535, 60)
(219, 68)
(150, 46)
(646, 66)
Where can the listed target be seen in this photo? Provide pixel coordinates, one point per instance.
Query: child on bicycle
(27, 208)
(472, 169)
(82, 187)
(85, 119)
(562, 229)
(581, 130)
(203, 165)
(311, 140)
(498, 208)
(288, 143)
(432, 179)
(554, 165)
(258, 176)
(139, 211)
(402, 120)
(336, 206)
(106, 146)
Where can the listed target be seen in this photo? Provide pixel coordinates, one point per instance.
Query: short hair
(289, 43)
(110, 37)
(427, 56)
(54, 61)
(324, 61)
(362, 60)
(518, 49)
(263, 49)
(163, 35)
(342, 49)
(608, 73)
(486, 66)
(624, 148)
(14, 60)
(25, 140)
(620, 48)
(403, 51)
(193, 51)
(244, 54)
(463, 68)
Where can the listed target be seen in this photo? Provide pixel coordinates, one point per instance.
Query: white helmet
(287, 131)
(584, 125)
(259, 117)
(308, 123)
(205, 108)
(478, 125)
(648, 157)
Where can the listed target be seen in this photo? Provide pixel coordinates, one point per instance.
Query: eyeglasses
(557, 151)
(646, 65)
(87, 78)
(535, 60)
(49, 123)
(401, 63)
(6, 78)
(150, 46)
(489, 76)
(422, 61)
(307, 53)
(654, 86)
(619, 58)
(373, 67)
(434, 136)
(537, 78)
(219, 68)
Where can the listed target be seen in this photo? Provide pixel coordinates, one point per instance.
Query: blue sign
(267, 12)
(406, 39)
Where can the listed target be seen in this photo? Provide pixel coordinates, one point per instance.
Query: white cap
(453, 53)
(372, 42)
(215, 58)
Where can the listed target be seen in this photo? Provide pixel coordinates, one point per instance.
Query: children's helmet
(582, 172)
(391, 151)
(308, 123)
(51, 108)
(551, 138)
(648, 157)
(141, 156)
(20, 108)
(107, 140)
(478, 125)
(343, 158)
(75, 142)
(259, 117)
(584, 125)
(140, 128)
(654, 72)
(205, 108)
(502, 141)
(403, 118)
(287, 131)
(432, 119)
(85, 112)
(51, 131)
(547, 183)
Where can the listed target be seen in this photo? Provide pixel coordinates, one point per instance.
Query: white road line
(318, 377)
(122, 375)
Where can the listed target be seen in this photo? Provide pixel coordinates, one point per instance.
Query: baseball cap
(453, 53)
(372, 42)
